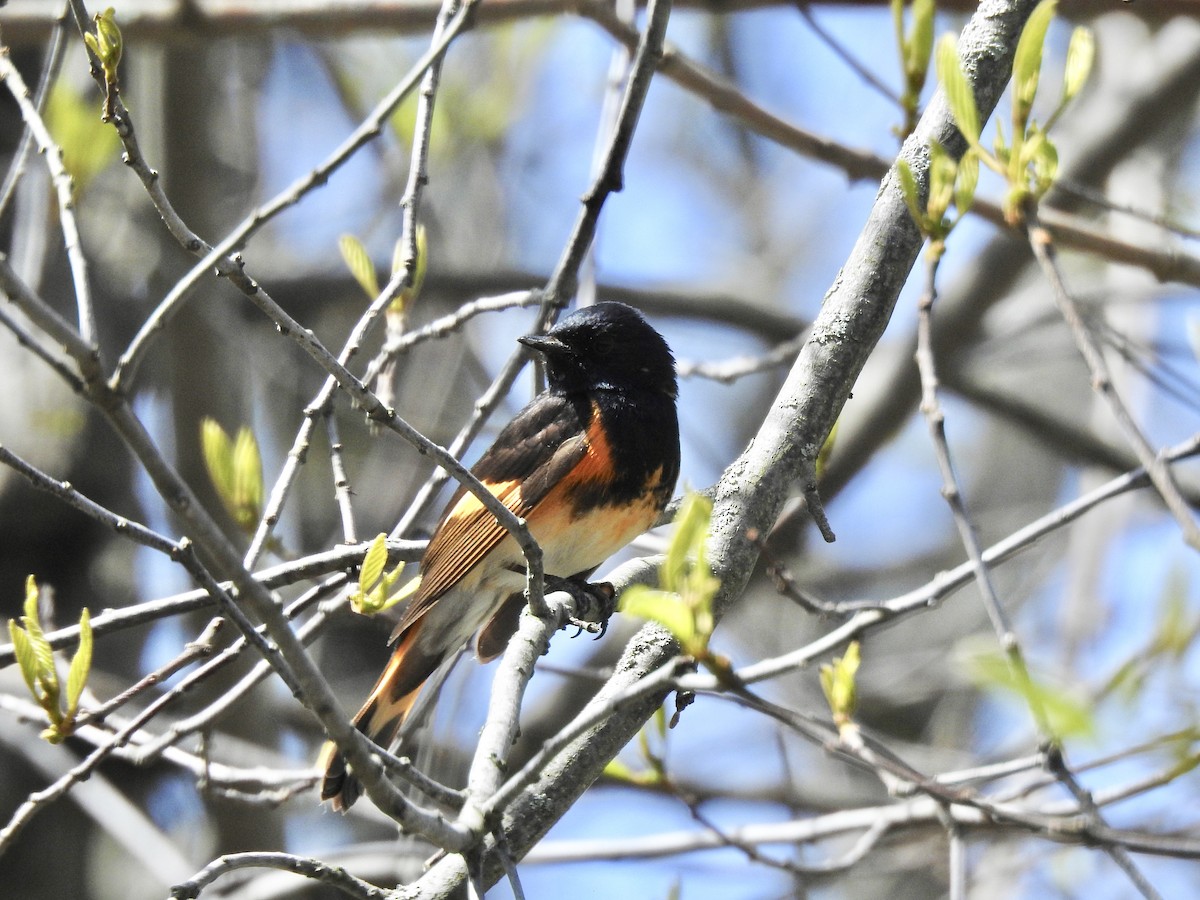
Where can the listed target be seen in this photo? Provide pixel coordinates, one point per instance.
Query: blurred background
(727, 237)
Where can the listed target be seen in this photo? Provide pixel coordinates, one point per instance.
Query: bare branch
(1160, 474)
(64, 191)
(313, 869)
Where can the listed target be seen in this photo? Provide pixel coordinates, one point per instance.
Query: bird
(589, 464)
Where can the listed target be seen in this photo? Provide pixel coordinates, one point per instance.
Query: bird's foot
(594, 603)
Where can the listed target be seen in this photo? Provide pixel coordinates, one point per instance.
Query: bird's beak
(544, 343)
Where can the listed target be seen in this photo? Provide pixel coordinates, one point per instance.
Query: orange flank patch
(597, 463)
(574, 540)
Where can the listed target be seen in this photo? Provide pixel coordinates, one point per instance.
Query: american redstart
(589, 464)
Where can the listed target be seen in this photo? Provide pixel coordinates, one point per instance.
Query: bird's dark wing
(530, 456)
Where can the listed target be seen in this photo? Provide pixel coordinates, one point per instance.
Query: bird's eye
(603, 344)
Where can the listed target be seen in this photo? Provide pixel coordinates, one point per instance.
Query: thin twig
(64, 192)
(400, 280)
(1042, 244)
(1057, 764)
(869, 78)
(282, 486)
(33, 345)
(446, 325)
(418, 168)
(618, 72)
(66, 492)
(610, 176)
(786, 585)
(992, 771)
(41, 314)
(958, 861)
(1097, 197)
(253, 779)
(855, 854)
(341, 481)
(725, 97)
(948, 582)
(50, 69)
(510, 869)
(730, 370)
(932, 410)
(916, 811)
(313, 869)
(193, 651)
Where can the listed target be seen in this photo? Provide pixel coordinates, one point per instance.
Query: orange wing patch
(468, 533)
(596, 467)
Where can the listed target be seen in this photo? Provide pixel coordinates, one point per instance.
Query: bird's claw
(582, 625)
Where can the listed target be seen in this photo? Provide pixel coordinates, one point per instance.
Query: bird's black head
(608, 346)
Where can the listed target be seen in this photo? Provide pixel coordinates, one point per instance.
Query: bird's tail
(380, 717)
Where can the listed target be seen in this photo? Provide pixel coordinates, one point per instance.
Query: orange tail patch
(379, 719)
